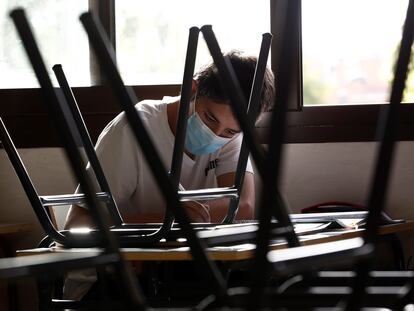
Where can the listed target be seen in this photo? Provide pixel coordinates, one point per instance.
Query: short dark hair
(208, 83)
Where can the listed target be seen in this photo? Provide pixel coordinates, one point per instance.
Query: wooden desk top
(225, 253)
(15, 228)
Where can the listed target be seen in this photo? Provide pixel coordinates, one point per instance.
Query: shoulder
(154, 107)
(118, 128)
(150, 107)
(147, 109)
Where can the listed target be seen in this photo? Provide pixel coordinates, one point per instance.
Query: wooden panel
(339, 124)
(26, 116)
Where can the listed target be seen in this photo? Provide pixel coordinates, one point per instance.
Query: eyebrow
(214, 117)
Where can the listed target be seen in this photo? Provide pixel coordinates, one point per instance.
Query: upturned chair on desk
(306, 261)
(232, 192)
(133, 234)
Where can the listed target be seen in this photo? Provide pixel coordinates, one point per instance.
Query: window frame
(328, 123)
(30, 126)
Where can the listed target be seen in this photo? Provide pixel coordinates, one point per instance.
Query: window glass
(349, 49)
(152, 35)
(59, 35)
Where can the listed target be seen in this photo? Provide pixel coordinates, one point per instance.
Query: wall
(49, 172)
(343, 171)
(312, 173)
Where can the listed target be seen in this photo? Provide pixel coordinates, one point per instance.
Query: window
(346, 50)
(330, 120)
(348, 54)
(151, 36)
(59, 35)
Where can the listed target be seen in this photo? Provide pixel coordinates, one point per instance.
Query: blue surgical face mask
(200, 139)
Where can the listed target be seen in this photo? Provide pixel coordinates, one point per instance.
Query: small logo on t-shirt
(211, 165)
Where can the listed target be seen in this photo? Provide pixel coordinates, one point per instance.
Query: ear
(193, 88)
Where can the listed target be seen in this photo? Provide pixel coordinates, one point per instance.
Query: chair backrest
(87, 143)
(54, 98)
(176, 161)
(42, 204)
(252, 110)
(238, 104)
(41, 213)
(73, 115)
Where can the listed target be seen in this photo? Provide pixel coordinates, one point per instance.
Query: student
(212, 147)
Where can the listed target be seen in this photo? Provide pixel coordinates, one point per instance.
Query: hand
(197, 212)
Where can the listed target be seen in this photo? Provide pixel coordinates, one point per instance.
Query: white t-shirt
(129, 177)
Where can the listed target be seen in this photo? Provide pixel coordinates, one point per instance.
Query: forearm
(78, 217)
(219, 209)
(246, 206)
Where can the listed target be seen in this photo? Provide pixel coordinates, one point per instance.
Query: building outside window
(59, 34)
(349, 49)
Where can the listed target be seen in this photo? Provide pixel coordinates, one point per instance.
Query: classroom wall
(49, 172)
(312, 173)
(315, 173)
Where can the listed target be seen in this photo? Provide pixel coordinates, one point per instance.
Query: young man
(212, 147)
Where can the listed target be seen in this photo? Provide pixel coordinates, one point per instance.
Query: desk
(160, 260)
(226, 253)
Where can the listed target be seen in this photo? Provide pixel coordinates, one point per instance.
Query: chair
(167, 229)
(229, 81)
(304, 260)
(233, 192)
(110, 255)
